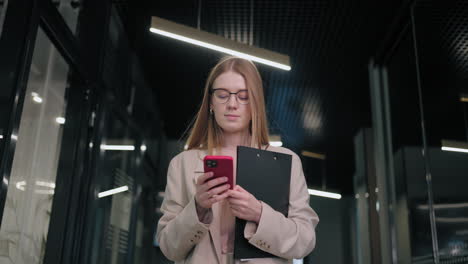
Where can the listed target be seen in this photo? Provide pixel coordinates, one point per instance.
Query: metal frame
(383, 162)
(382, 139)
(16, 48)
(425, 152)
(74, 177)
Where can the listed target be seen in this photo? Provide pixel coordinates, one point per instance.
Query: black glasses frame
(212, 91)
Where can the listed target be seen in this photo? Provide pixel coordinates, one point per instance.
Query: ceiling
(318, 106)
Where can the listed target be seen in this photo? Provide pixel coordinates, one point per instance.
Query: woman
(197, 225)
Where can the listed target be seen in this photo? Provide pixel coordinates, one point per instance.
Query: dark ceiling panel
(318, 106)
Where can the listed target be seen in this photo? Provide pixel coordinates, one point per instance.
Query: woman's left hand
(244, 205)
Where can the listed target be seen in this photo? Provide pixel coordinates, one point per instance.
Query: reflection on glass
(440, 32)
(109, 222)
(412, 227)
(449, 174)
(31, 188)
(69, 11)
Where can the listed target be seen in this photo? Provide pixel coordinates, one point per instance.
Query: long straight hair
(205, 132)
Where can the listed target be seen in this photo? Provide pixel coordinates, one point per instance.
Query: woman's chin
(233, 129)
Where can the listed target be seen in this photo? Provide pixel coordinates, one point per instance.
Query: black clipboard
(266, 175)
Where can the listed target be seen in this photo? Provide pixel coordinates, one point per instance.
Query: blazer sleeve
(179, 228)
(287, 237)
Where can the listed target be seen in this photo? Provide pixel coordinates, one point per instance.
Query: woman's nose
(232, 101)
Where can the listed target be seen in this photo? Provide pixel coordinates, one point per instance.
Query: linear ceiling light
(212, 41)
(118, 147)
(449, 145)
(275, 141)
(325, 194)
(113, 191)
(464, 98)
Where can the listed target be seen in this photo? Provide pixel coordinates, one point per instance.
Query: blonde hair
(205, 132)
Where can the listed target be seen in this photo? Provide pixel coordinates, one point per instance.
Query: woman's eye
(243, 96)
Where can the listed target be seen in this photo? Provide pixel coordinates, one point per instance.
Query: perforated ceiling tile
(321, 102)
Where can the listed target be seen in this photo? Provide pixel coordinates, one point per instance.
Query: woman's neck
(232, 140)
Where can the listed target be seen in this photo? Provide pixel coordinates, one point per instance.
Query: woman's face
(234, 115)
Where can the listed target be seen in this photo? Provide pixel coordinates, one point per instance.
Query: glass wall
(422, 82)
(110, 212)
(96, 204)
(31, 187)
(441, 33)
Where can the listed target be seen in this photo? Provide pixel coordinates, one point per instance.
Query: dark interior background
(318, 106)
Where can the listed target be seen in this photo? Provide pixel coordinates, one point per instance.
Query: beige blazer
(184, 239)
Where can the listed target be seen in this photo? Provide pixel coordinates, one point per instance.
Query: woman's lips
(232, 117)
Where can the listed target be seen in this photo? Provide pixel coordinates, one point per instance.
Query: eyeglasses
(222, 96)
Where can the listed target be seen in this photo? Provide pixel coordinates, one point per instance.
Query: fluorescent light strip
(37, 99)
(45, 184)
(221, 49)
(60, 120)
(456, 146)
(444, 206)
(113, 191)
(455, 149)
(276, 143)
(325, 194)
(1, 136)
(118, 147)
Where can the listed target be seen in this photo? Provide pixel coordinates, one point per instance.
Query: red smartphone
(221, 166)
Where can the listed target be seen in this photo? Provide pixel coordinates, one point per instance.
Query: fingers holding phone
(210, 190)
(211, 187)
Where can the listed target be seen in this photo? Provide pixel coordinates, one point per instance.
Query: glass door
(26, 215)
(111, 215)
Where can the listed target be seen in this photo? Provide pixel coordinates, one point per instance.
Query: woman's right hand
(206, 195)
